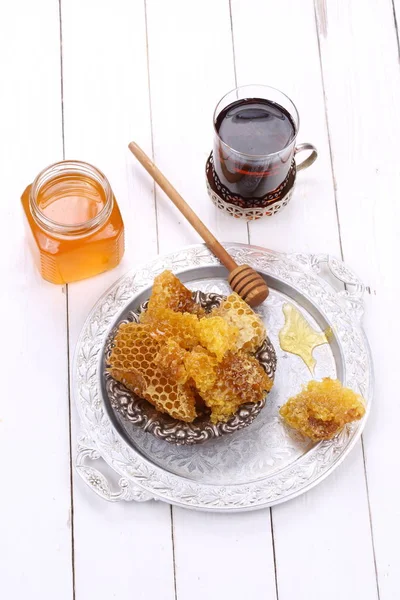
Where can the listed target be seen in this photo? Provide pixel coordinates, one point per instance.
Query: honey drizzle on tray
(298, 337)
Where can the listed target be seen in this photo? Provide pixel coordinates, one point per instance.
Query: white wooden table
(80, 80)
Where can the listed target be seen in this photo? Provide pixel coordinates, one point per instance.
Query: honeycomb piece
(322, 409)
(132, 362)
(166, 324)
(237, 312)
(239, 379)
(201, 367)
(171, 358)
(169, 292)
(217, 336)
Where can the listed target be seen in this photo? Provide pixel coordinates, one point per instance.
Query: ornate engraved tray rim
(143, 480)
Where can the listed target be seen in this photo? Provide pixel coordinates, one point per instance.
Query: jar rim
(77, 229)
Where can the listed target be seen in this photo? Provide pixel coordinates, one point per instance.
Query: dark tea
(254, 148)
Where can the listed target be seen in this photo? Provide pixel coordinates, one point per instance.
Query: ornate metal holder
(142, 414)
(249, 208)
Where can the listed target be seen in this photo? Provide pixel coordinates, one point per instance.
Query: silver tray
(259, 466)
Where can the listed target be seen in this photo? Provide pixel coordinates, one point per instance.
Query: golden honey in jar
(75, 226)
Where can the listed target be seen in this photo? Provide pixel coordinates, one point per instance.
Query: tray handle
(352, 297)
(98, 482)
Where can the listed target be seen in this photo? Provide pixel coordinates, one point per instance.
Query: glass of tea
(251, 170)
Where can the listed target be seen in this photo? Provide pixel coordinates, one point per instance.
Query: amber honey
(298, 337)
(75, 226)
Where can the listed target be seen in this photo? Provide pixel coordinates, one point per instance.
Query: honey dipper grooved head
(250, 286)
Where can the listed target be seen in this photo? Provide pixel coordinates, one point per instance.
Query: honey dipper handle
(184, 207)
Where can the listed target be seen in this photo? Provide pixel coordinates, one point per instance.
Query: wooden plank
(34, 443)
(121, 550)
(186, 86)
(362, 88)
(191, 67)
(221, 555)
(324, 535)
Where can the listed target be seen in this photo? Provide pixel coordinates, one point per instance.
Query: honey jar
(74, 223)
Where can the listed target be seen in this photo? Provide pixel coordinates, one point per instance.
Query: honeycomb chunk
(171, 358)
(239, 379)
(201, 367)
(238, 313)
(132, 362)
(322, 409)
(169, 292)
(218, 336)
(167, 324)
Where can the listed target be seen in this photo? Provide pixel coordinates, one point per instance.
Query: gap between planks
(396, 29)
(151, 126)
(235, 75)
(71, 483)
(322, 29)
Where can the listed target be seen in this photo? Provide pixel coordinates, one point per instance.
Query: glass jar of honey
(74, 223)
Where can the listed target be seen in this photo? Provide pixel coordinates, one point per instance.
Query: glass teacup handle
(307, 162)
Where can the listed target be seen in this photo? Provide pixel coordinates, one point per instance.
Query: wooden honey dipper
(243, 279)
